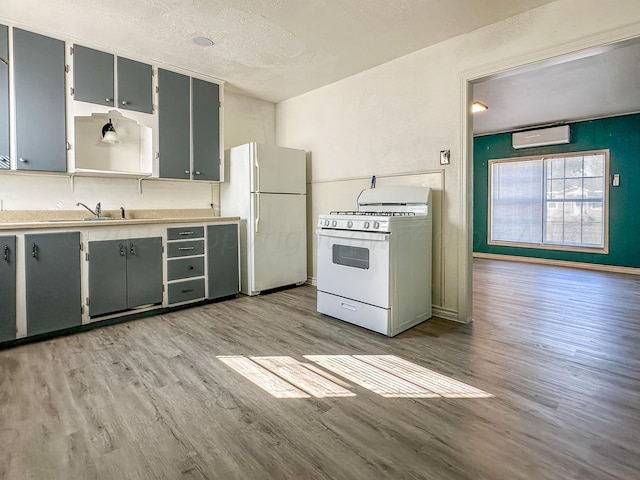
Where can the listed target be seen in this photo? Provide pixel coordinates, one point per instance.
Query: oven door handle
(351, 235)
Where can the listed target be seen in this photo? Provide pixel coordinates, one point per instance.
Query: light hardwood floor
(559, 350)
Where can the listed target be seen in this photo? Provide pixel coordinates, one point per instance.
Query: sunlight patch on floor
(386, 375)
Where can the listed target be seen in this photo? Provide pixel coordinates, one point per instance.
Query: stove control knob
(376, 225)
(334, 223)
(366, 224)
(349, 224)
(326, 223)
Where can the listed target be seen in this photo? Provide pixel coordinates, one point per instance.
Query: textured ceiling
(599, 83)
(268, 49)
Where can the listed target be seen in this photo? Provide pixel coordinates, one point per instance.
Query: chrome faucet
(97, 212)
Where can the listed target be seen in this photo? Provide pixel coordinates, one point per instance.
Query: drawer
(183, 233)
(185, 268)
(184, 291)
(184, 249)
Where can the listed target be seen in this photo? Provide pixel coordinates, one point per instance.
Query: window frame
(554, 246)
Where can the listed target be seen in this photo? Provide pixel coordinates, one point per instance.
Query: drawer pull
(348, 306)
(187, 290)
(186, 233)
(186, 248)
(6, 253)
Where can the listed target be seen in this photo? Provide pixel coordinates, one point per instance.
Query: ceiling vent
(542, 137)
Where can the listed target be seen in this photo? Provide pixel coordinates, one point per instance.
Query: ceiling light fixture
(203, 41)
(478, 107)
(109, 134)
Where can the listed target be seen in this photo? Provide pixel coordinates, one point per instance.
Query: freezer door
(278, 170)
(277, 242)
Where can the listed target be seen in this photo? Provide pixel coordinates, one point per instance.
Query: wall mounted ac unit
(539, 138)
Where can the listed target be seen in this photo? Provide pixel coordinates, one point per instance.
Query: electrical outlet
(445, 157)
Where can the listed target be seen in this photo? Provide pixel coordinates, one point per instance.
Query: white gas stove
(374, 264)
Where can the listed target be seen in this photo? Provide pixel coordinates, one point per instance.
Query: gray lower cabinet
(222, 257)
(39, 89)
(52, 281)
(124, 274)
(185, 264)
(5, 162)
(7, 288)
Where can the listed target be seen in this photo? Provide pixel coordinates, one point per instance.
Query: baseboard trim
(559, 263)
(446, 314)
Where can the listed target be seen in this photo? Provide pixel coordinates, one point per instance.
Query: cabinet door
(92, 76)
(38, 66)
(134, 85)
(7, 288)
(52, 273)
(222, 256)
(174, 125)
(205, 128)
(107, 277)
(5, 162)
(144, 271)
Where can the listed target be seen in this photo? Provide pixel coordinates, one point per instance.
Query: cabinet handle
(190, 267)
(34, 251)
(132, 250)
(187, 290)
(186, 171)
(124, 102)
(197, 173)
(108, 99)
(23, 160)
(6, 253)
(122, 252)
(186, 248)
(185, 233)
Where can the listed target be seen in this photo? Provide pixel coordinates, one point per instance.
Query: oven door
(354, 265)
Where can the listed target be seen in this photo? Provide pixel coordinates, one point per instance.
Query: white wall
(393, 120)
(245, 119)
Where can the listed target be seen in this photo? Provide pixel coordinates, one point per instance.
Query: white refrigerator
(265, 186)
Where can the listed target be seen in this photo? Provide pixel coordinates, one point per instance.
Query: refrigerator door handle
(257, 212)
(257, 173)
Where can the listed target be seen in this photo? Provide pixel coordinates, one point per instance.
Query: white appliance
(266, 188)
(374, 265)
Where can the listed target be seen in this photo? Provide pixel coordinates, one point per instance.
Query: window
(556, 201)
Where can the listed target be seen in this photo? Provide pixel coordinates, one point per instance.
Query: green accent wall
(621, 135)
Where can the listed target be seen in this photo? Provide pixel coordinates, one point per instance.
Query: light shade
(478, 107)
(109, 134)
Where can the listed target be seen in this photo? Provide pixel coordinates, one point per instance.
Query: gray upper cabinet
(39, 79)
(52, 277)
(174, 125)
(134, 85)
(222, 259)
(5, 162)
(7, 288)
(92, 76)
(189, 133)
(206, 130)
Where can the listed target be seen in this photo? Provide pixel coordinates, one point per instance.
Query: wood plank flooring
(558, 348)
